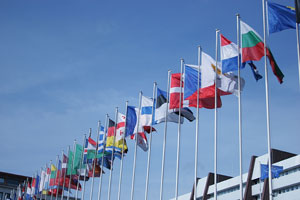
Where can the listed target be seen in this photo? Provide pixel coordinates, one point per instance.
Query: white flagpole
(64, 178)
(298, 50)
(216, 120)
(80, 167)
(94, 162)
(102, 161)
(267, 102)
(72, 165)
(135, 146)
(150, 142)
(240, 107)
(57, 157)
(83, 188)
(197, 124)
(57, 189)
(165, 140)
(122, 156)
(112, 155)
(179, 131)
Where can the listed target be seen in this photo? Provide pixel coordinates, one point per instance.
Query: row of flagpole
(179, 131)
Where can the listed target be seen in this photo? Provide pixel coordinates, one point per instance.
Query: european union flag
(264, 171)
(281, 17)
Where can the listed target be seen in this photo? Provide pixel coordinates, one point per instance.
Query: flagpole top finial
(169, 70)
(217, 30)
(237, 14)
(181, 59)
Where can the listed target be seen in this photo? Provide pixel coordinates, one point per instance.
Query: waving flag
(146, 111)
(229, 58)
(253, 49)
(172, 114)
(264, 171)
(89, 150)
(116, 145)
(229, 55)
(101, 142)
(28, 192)
(132, 127)
(280, 17)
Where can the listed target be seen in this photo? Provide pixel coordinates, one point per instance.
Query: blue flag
(264, 171)
(281, 17)
(131, 120)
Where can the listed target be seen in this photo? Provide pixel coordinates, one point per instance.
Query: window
(1, 195)
(1, 180)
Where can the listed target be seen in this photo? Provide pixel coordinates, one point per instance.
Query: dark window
(1, 195)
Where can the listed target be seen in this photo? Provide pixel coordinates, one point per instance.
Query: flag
(253, 49)
(132, 127)
(101, 142)
(229, 55)
(297, 5)
(53, 176)
(254, 70)
(172, 114)
(35, 185)
(74, 160)
(280, 17)
(264, 171)
(229, 58)
(47, 179)
(42, 181)
(28, 192)
(89, 150)
(64, 164)
(116, 145)
(107, 162)
(146, 111)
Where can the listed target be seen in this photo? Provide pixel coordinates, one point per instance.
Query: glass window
(1, 195)
(1, 180)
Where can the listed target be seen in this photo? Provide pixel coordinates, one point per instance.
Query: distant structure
(10, 182)
(286, 186)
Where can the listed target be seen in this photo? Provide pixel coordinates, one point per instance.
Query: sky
(66, 64)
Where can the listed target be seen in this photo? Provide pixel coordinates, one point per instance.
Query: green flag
(74, 160)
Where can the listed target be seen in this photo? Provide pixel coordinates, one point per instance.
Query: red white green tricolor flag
(253, 49)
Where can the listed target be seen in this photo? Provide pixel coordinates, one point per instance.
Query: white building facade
(285, 187)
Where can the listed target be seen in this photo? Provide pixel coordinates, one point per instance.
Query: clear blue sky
(65, 64)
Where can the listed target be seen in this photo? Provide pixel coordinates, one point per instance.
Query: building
(10, 182)
(285, 187)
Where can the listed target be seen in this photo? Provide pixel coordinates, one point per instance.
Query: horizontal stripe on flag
(175, 90)
(230, 64)
(229, 51)
(146, 110)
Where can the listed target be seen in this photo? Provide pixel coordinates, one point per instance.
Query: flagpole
(80, 167)
(197, 124)
(64, 178)
(94, 161)
(102, 160)
(150, 142)
(41, 184)
(240, 107)
(267, 104)
(135, 146)
(165, 140)
(48, 181)
(57, 189)
(179, 131)
(83, 188)
(54, 177)
(112, 155)
(122, 156)
(298, 50)
(216, 120)
(72, 165)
